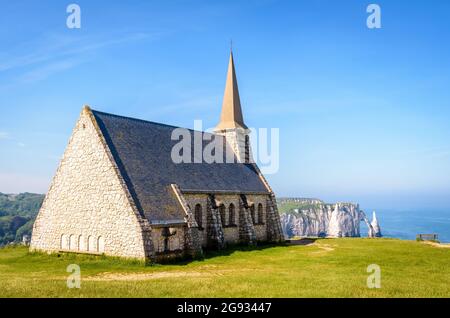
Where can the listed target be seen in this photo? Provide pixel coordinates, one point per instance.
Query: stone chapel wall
(231, 229)
(86, 208)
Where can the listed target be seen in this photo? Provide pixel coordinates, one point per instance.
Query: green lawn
(327, 268)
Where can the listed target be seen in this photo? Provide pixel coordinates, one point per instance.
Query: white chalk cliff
(374, 230)
(319, 219)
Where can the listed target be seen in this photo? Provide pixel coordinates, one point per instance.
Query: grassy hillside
(17, 214)
(287, 205)
(327, 268)
(24, 204)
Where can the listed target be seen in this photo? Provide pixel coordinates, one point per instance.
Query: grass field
(326, 268)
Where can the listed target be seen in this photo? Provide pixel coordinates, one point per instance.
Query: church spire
(231, 117)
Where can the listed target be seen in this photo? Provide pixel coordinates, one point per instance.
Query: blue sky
(363, 114)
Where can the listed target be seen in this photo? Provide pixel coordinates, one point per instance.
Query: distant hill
(292, 205)
(17, 214)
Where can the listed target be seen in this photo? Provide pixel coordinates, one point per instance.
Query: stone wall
(175, 242)
(274, 229)
(192, 239)
(214, 224)
(233, 230)
(192, 200)
(87, 208)
(239, 143)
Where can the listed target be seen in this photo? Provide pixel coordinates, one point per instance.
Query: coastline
(405, 224)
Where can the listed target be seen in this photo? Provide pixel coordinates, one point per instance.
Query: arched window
(260, 214)
(100, 244)
(91, 244)
(222, 215)
(198, 216)
(81, 243)
(72, 243)
(252, 212)
(64, 242)
(231, 212)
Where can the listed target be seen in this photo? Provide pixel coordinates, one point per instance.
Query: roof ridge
(149, 122)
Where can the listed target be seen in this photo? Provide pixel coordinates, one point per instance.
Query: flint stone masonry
(192, 241)
(88, 199)
(240, 231)
(175, 242)
(215, 238)
(274, 229)
(237, 142)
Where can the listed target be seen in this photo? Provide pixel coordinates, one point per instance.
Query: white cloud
(4, 135)
(50, 48)
(54, 54)
(47, 70)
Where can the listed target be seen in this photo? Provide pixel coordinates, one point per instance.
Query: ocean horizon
(406, 223)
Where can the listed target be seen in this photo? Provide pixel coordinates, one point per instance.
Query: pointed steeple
(231, 116)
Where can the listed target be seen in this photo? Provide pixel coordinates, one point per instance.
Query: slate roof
(142, 151)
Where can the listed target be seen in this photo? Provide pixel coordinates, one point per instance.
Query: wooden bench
(427, 237)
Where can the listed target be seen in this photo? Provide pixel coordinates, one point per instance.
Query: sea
(406, 224)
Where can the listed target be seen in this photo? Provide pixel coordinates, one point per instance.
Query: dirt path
(144, 276)
(200, 273)
(438, 244)
(325, 247)
(312, 242)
